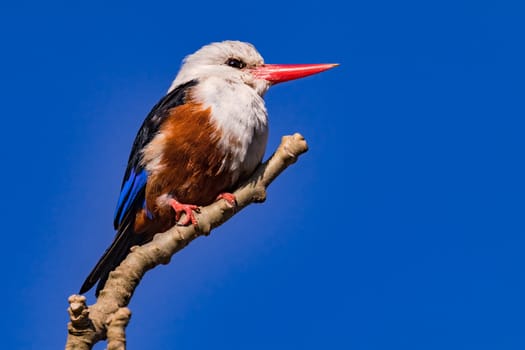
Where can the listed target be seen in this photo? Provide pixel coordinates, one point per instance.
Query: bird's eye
(235, 63)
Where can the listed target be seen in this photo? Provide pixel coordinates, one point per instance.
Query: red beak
(278, 73)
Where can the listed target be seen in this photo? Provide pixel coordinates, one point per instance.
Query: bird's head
(240, 62)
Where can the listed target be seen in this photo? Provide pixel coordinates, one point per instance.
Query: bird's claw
(228, 197)
(188, 209)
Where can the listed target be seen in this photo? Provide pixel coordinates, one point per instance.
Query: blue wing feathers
(133, 186)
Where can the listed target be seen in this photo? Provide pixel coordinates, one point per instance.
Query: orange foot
(188, 209)
(229, 197)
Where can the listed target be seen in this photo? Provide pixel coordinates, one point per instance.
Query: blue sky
(401, 228)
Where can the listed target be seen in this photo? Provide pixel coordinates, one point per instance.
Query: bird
(205, 136)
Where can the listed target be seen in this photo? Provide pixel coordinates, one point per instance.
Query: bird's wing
(132, 193)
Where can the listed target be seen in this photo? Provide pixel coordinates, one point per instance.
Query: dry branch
(109, 316)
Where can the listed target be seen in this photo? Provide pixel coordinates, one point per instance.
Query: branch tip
(78, 311)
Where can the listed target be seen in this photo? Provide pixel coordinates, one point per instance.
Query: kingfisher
(204, 137)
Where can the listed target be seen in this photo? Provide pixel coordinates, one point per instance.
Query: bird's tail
(111, 258)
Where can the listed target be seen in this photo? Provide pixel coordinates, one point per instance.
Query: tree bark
(109, 316)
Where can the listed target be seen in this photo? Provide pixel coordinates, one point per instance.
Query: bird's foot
(188, 209)
(228, 197)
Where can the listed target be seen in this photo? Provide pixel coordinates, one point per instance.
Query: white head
(240, 62)
(231, 60)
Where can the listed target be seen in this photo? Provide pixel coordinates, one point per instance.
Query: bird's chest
(243, 144)
(239, 116)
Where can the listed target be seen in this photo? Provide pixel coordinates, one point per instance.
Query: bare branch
(117, 329)
(108, 317)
